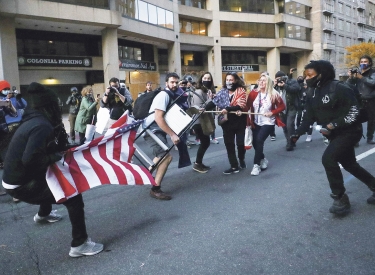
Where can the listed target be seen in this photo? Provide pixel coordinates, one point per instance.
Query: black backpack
(362, 116)
(143, 103)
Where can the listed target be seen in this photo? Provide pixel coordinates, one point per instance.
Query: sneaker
(308, 138)
(160, 195)
(273, 138)
(256, 170)
(341, 205)
(16, 200)
(214, 141)
(231, 171)
(263, 164)
(52, 217)
(371, 200)
(197, 142)
(88, 248)
(200, 167)
(242, 164)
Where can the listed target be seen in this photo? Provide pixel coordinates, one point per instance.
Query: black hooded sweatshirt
(31, 150)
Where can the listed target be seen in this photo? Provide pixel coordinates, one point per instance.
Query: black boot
(341, 205)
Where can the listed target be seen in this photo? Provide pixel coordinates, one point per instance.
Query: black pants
(260, 134)
(233, 136)
(341, 150)
(205, 142)
(37, 192)
(369, 106)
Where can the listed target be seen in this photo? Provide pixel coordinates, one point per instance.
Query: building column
(273, 62)
(110, 54)
(215, 64)
(174, 58)
(8, 52)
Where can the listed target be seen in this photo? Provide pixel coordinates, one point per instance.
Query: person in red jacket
(267, 104)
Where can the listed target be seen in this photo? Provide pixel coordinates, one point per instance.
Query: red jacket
(277, 107)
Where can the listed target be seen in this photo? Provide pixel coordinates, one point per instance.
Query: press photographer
(288, 90)
(364, 80)
(115, 101)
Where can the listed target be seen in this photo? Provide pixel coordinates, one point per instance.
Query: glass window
(76, 48)
(295, 32)
(247, 6)
(169, 19)
(152, 14)
(247, 29)
(161, 17)
(195, 28)
(202, 28)
(143, 12)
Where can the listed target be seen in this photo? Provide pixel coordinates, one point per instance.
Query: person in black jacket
(38, 143)
(288, 90)
(336, 112)
(364, 80)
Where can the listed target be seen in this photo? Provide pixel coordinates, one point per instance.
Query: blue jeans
(260, 134)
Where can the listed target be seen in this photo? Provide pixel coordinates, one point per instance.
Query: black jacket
(339, 108)
(291, 90)
(31, 150)
(74, 101)
(365, 85)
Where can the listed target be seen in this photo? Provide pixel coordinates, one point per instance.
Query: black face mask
(234, 87)
(312, 82)
(183, 88)
(207, 84)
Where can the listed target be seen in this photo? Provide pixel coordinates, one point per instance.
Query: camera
(354, 70)
(281, 79)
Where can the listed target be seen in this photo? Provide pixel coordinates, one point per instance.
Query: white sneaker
(308, 138)
(263, 164)
(256, 170)
(52, 217)
(214, 141)
(88, 248)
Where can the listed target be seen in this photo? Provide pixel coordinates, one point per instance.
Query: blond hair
(86, 90)
(269, 88)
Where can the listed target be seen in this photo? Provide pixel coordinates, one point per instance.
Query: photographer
(74, 100)
(115, 100)
(288, 90)
(364, 80)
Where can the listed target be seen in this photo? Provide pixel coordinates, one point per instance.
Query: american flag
(104, 160)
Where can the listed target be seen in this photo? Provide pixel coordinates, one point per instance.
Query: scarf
(222, 99)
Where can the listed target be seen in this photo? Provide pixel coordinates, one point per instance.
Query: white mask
(5, 92)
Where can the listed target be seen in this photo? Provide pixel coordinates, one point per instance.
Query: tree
(355, 52)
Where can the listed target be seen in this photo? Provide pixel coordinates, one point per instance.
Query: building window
(200, 4)
(248, 6)
(145, 12)
(341, 8)
(101, 4)
(348, 10)
(125, 52)
(341, 24)
(247, 29)
(243, 57)
(348, 24)
(294, 8)
(193, 27)
(192, 58)
(295, 32)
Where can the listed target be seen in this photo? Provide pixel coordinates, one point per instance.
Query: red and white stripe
(105, 160)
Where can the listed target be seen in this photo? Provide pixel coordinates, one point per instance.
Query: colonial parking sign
(54, 61)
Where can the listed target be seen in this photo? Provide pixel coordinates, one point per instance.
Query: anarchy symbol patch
(325, 99)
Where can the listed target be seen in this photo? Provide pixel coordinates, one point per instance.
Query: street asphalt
(274, 223)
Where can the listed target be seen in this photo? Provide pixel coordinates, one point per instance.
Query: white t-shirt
(160, 102)
(262, 104)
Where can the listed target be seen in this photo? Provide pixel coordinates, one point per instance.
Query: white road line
(363, 155)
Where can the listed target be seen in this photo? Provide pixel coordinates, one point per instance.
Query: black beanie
(280, 73)
(40, 96)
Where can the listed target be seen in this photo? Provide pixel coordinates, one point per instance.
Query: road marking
(363, 155)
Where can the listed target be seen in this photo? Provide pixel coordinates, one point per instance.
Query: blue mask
(363, 66)
(5, 92)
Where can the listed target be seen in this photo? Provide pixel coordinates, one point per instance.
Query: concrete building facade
(65, 43)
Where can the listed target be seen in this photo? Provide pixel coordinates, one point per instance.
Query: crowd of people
(39, 139)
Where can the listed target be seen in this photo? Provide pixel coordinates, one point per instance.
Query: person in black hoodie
(36, 144)
(337, 113)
